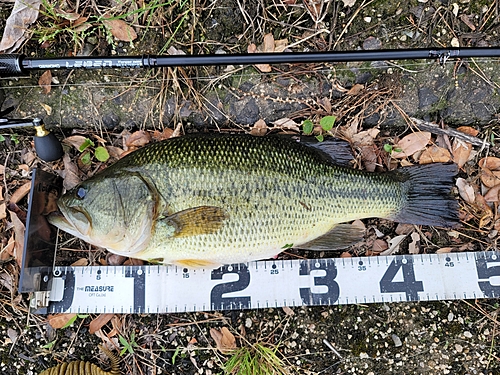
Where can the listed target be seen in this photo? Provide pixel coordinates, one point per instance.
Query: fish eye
(81, 192)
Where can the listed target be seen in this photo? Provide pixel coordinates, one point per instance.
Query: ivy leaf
(327, 123)
(86, 158)
(101, 154)
(320, 138)
(87, 143)
(307, 127)
(388, 148)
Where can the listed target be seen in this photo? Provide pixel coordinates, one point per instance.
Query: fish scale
(269, 193)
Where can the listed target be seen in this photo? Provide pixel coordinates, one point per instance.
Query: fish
(203, 201)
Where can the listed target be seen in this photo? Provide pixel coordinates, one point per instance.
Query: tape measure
(263, 284)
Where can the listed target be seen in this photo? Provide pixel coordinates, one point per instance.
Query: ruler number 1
(409, 285)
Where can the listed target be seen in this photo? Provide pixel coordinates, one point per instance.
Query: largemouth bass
(204, 201)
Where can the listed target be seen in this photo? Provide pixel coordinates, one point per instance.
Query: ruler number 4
(409, 285)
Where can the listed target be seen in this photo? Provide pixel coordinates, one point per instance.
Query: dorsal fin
(333, 150)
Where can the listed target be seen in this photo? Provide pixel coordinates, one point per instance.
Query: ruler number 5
(409, 285)
(484, 272)
(216, 298)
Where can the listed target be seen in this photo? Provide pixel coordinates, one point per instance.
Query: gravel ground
(457, 337)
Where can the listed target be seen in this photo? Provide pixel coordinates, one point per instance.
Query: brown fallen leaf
(120, 30)
(58, 321)
(20, 192)
(288, 311)
(3, 214)
(259, 128)
(444, 250)
(100, 321)
(75, 140)
(224, 339)
(345, 254)
(286, 123)
(19, 230)
(45, 82)
(410, 144)
(267, 46)
(356, 89)
(23, 14)
(413, 247)
(492, 194)
(164, 134)
(434, 154)
(461, 152)
(490, 171)
(137, 139)
(465, 190)
(80, 262)
(70, 175)
(379, 245)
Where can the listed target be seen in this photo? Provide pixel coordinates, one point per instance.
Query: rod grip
(11, 65)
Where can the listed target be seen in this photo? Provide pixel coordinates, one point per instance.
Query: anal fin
(340, 237)
(196, 263)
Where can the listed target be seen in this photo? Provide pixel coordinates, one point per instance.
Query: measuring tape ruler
(263, 284)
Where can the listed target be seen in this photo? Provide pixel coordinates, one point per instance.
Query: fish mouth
(79, 226)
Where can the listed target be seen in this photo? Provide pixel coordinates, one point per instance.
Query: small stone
(363, 355)
(468, 334)
(397, 340)
(459, 348)
(248, 322)
(450, 317)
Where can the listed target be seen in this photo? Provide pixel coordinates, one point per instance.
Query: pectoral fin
(340, 237)
(197, 220)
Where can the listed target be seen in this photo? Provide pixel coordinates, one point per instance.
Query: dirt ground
(458, 337)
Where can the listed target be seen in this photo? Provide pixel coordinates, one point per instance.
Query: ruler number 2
(216, 298)
(409, 285)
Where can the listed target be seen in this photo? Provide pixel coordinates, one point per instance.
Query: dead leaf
(259, 128)
(80, 262)
(434, 154)
(465, 19)
(137, 139)
(75, 140)
(345, 254)
(468, 130)
(100, 321)
(492, 194)
(394, 245)
(444, 250)
(404, 228)
(70, 16)
(70, 175)
(379, 245)
(120, 30)
(349, 3)
(19, 230)
(3, 214)
(413, 246)
(58, 321)
(288, 311)
(465, 190)
(268, 45)
(286, 123)
(24, 13)
(461, 152)
(224, 339)
(356, 89)
(410, 144)
(45, 81)
(164, 134)
(490, 171)
(47, 108)
(20, 192)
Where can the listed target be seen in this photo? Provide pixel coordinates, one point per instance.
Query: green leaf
(307, 127)
(388, 148)
(320, 138)
(14, 139)
(82, 316)
(176, 353)
(288, 246)
(86, 144)
(2, 138)
(327, 123)
(70, 322)
(49, 345)
(101, 154)
(86, 159)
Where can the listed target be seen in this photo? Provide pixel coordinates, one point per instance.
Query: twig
(330, 346)
(435, 129)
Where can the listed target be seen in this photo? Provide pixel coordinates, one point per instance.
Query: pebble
(248, 322)
(397, 340)
(468, 334)
(459, 348)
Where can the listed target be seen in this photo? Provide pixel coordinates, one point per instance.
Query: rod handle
(11, 65)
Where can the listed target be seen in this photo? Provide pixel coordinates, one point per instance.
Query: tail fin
(428, 190)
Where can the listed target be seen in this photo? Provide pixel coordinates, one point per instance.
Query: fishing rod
(16, 64)
(49, 148)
